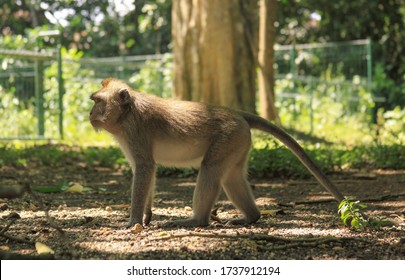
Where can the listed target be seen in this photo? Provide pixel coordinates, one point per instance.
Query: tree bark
(267, 33)
(212, 58)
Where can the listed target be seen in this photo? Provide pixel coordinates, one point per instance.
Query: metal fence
(24, 76)
(346, 66)
(313, 71)
(347, 59)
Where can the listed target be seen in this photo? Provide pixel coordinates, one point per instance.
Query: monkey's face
(105, 112)
(111, 104)
(97, 113)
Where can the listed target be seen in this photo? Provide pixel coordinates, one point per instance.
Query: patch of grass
(57, 155)
(107, 156)
(280, 162)
(267, 159)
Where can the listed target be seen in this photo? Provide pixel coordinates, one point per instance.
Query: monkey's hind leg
(205, 195)
(238, 190)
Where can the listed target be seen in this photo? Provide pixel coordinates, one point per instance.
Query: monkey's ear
(124, 96)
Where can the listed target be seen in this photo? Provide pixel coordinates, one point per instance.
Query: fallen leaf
(75, 188)
(188, 208)
(43, 249)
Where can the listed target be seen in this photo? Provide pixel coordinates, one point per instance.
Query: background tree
(98, 27)
(213, 61)
(267, 37)
(17, 16)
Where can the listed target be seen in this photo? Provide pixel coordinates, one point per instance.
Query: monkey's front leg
(141, 193)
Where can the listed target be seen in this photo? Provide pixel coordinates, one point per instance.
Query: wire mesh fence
(303, 73)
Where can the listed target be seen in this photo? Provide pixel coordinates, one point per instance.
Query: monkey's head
(111, 103)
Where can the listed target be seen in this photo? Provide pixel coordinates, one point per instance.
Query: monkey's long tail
(263, 125)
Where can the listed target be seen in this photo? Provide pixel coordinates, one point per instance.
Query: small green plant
(351, 214)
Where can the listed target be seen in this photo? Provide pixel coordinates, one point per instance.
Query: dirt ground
(299, 219)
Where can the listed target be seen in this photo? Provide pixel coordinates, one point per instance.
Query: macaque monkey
(151, 130)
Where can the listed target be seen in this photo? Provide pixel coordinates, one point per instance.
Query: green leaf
(355, 223)
(47, 189)
(343, 202)
(52, 189)
(362, 205)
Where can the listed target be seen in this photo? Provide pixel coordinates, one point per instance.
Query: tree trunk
(267, 32)
(213, 62)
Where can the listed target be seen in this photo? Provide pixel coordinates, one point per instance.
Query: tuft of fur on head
(113, 86)
(106, 81)
(114, 83)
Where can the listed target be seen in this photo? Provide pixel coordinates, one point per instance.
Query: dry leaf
(188, 208)
(137, 228)
(75, 188)
(43, 249)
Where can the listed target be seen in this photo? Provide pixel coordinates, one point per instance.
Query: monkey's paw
(145, 221)
(147, 217)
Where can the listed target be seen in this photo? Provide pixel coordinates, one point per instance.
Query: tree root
(42, 207)
(13, 217)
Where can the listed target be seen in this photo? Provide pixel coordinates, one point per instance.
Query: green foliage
(350, 214)
(269, 159)
(383, 86)
(342, 139)
(106, 156)
(15, 111)
(61, 155)
(49, 155)
(52, 189)
(275, 162)
(155, 77)
(103, 28)
(383, 22)
(76, 102)
(390, 127)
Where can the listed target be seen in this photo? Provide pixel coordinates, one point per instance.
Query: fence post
(61, 90)
(311, 112)
(39, 96)
(369, 64)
